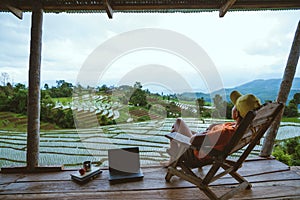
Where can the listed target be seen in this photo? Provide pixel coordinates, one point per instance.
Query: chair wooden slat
(246, 137)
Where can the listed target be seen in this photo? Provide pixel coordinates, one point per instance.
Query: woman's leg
(181, 127)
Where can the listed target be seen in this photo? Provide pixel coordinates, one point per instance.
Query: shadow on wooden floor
(271, 179)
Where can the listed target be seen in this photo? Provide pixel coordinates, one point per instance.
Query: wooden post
(284, 91)
(33, 109)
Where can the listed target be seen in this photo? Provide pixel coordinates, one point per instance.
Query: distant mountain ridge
(265, 89)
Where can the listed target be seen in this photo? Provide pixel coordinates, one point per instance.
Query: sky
(189, 52)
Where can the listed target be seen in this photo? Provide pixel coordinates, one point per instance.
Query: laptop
(124, 165)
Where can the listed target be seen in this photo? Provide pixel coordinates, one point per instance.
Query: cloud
(14, 42)
(275, 39)
(243, 45)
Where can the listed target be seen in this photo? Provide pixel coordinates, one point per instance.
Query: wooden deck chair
(247, 135)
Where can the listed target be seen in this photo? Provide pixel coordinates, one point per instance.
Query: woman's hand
(173, 129)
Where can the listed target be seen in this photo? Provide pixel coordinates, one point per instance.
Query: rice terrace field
(72, 147)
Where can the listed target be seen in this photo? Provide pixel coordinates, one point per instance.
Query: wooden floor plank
(286, 189)
(154, 179)
(148, 184)
(270, 179)
(248, 169)
(262, 166)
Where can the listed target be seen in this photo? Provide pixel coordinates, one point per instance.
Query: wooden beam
(142, 6)
(33, 108)
(17, 12)
(223, 10)
(285, 87)
(108, 9)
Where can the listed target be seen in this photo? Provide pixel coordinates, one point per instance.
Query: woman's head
(244, 103)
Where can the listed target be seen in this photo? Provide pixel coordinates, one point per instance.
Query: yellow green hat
(244, 103)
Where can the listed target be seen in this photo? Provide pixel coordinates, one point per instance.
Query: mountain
(267, 89)
(264, 89)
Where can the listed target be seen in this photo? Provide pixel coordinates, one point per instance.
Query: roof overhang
(158, 6)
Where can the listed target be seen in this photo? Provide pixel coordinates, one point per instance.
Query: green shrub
(280, 155)
(288, 151)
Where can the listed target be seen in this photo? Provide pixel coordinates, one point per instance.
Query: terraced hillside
(71, 147)
(17, 122)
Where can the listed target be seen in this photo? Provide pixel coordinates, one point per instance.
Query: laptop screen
(124, 159)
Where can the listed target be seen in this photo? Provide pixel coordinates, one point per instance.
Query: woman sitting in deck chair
(218, 135)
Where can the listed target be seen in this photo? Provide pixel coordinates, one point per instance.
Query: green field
(16, 122)
(72, 147)
(291, 119)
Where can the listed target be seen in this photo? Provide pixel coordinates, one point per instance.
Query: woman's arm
(211, 126)
(198, 138)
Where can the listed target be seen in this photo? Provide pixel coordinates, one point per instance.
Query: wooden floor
(270, 179)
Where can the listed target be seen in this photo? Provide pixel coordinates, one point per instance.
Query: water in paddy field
(72, 147)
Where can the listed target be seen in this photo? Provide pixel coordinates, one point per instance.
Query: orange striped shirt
(218, 137)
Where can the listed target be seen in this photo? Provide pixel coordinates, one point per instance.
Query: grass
(63, 100)
(291, 119)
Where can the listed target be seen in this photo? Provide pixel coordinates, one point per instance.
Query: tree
(14, 99)
(288, 151)
(200, 103)
(291, 110)
(138, 97)
(46, 86)
(138, 85)
(220, 106)
(4, 100)
(173, 110)
(4, 78)
(18, 103)
(297, 98)
(66, 89)
(228, 110)
(47, 105)
(63, 89)
(103, 89)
